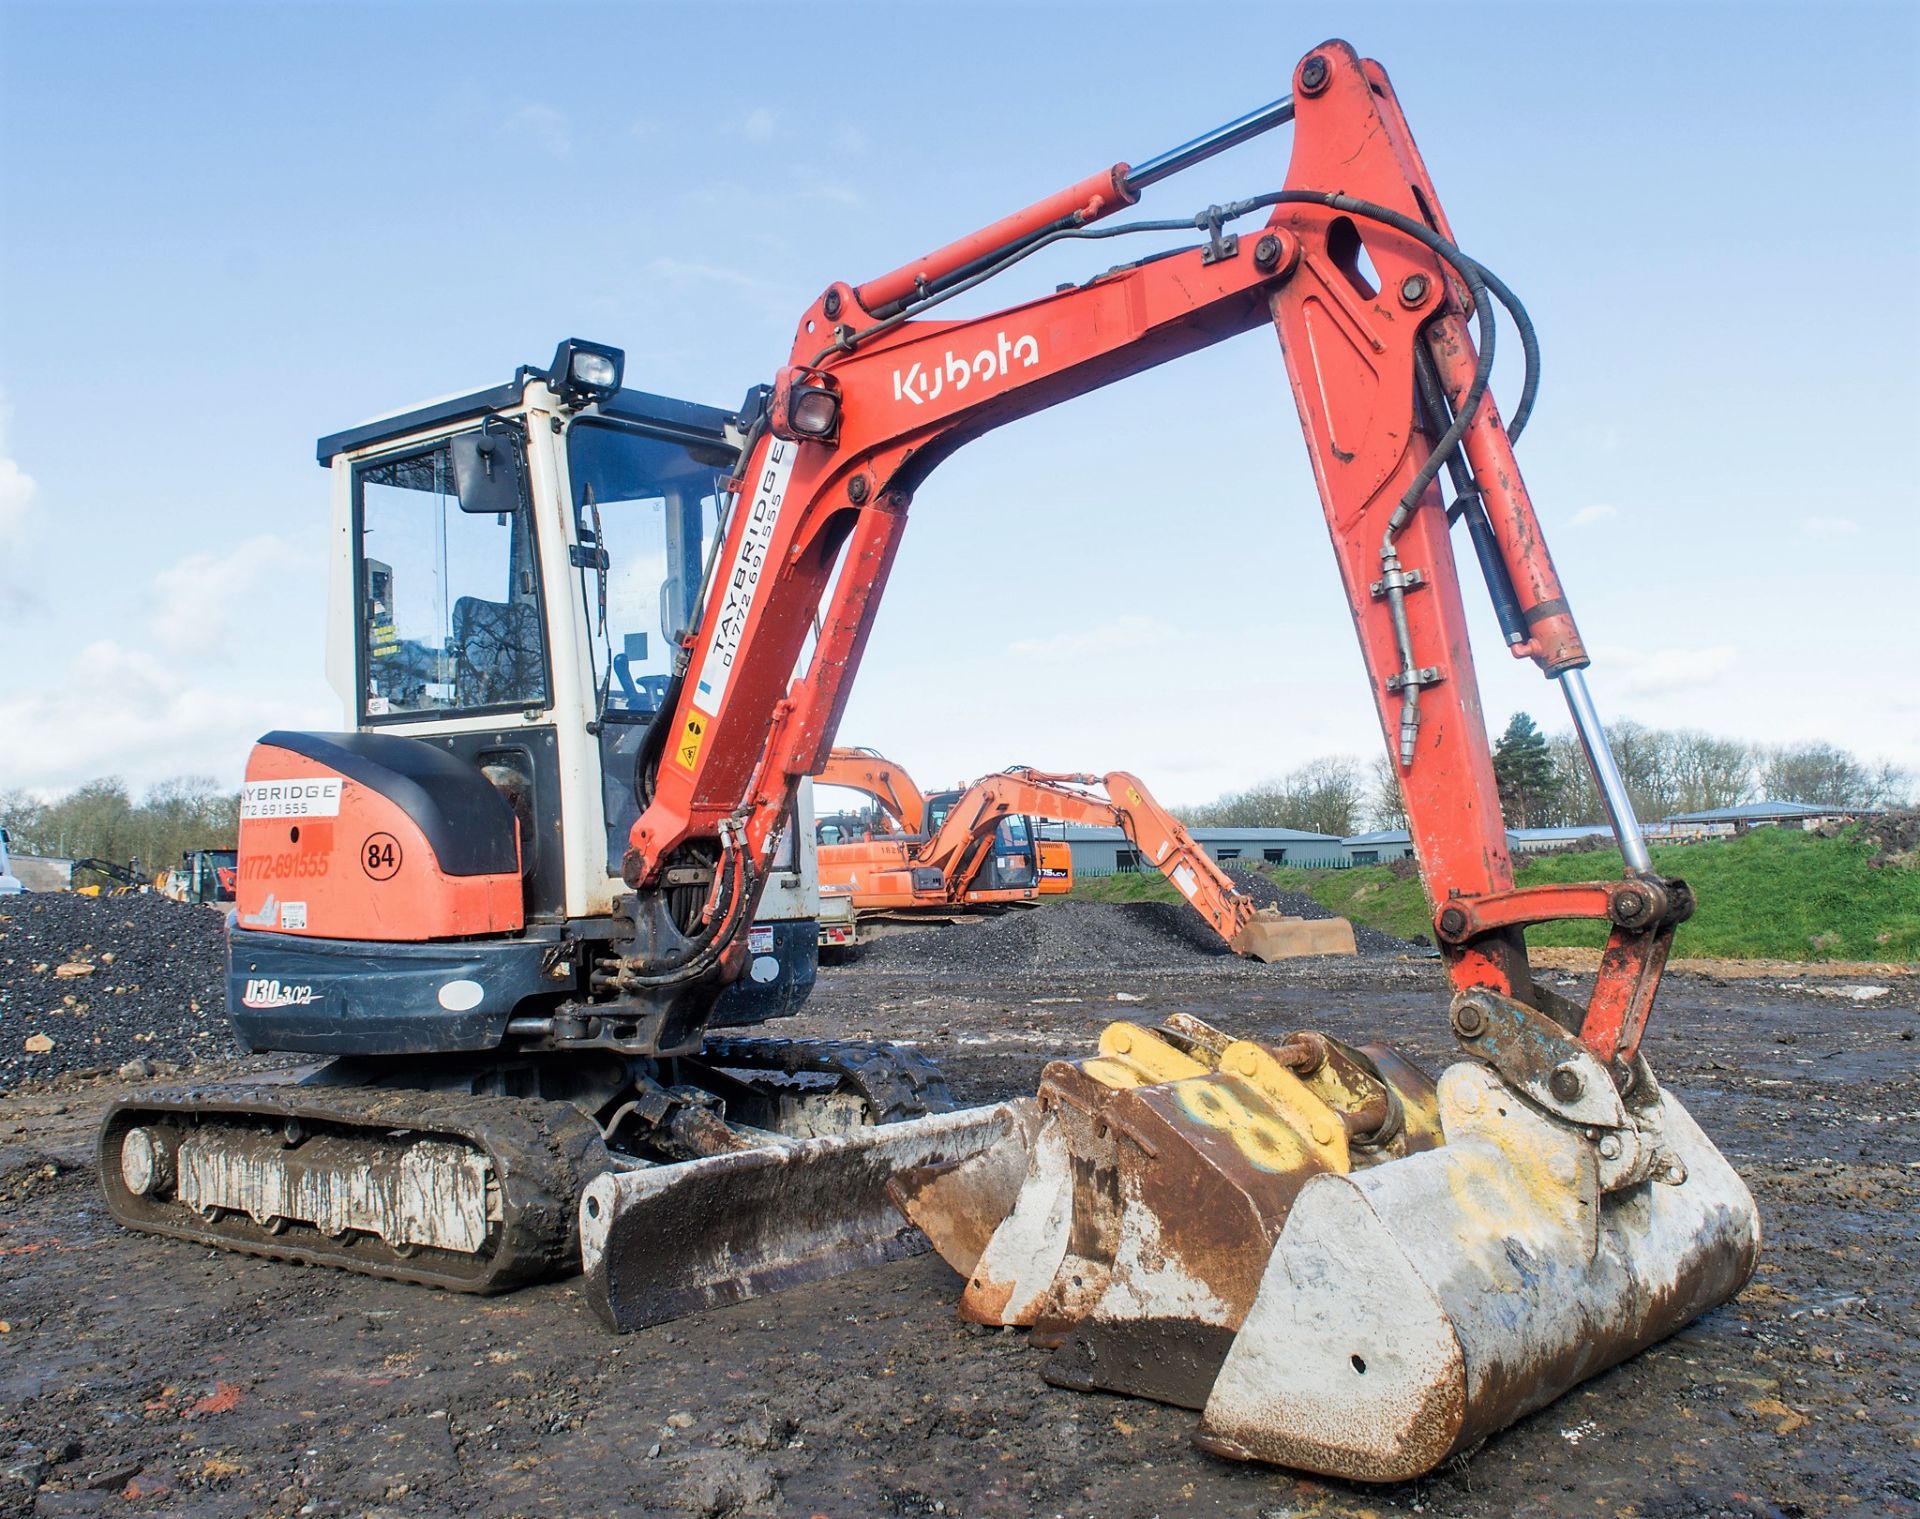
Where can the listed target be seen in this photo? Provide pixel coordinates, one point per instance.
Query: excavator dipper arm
(956, 849)
(875, 395)
(1350, 1268)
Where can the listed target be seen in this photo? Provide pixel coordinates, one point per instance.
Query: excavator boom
(1260, 1216)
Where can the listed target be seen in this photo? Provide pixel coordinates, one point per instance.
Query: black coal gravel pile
(1092, 936)
(1369, 941)
(1058, 936)
(97, 983)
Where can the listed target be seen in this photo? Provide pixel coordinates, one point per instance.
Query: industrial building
(1104, 851)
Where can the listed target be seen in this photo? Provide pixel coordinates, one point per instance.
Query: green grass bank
(1773, 894)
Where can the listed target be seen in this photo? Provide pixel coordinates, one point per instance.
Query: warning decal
(687, 751)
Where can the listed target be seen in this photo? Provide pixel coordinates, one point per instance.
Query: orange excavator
(510, 906)
(890, 872)
(870, 861)
(1053, 858)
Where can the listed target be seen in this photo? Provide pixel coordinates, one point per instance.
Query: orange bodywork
(1055, 859)
(328, 858)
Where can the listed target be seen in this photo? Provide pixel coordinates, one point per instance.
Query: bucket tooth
(1022, 1258)
(662, 1241)
(1413, 1309)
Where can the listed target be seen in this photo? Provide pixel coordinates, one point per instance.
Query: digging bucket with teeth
(1346, 1268)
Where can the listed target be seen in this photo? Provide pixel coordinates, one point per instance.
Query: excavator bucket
(1350, 1271)
(658, 1242)
(1413, 1310)
(1270, 935)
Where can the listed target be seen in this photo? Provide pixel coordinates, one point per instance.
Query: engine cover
(373, 837)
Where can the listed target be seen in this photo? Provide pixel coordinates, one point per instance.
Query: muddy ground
(145, 1376)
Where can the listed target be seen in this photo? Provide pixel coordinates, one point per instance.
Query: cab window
(448, 601)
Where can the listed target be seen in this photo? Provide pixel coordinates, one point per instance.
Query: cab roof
(687, 418)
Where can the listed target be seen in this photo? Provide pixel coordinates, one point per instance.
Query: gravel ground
(145, 1376)
(152, 988)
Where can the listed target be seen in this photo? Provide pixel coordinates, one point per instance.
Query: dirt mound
(90, 983)
(1369, 941)
(1057, 936)
(1093, 936)
(1894, 838)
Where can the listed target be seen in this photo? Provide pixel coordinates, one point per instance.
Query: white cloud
(759, 124)
(1589, 516)
(1118, 636)
(17, 491)
(195, 601)
(17, 488)
(1830, 527)
(1656, 673)
(849, 139)
(116, 710)
(544, 127)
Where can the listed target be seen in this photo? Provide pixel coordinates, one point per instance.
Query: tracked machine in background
(509, 902)
(944, 867)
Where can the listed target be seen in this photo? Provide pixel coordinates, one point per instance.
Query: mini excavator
(952, 863)
(572, 622)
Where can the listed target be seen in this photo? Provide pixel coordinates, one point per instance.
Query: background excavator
(208, 877)
(941, 869)
(594, 640)
(879, 861)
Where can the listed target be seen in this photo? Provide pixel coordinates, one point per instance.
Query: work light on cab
(584, 372)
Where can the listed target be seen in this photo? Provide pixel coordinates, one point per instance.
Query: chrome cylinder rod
(1203, 147)
(1613, 790)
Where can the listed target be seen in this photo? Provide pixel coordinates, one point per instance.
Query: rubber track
(542, 1153)
(896, 1083)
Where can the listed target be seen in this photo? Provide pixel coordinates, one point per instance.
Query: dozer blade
(1411, 1310)
(1270, 936)
(669, 1240)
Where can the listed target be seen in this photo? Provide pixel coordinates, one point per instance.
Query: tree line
(101, 820)
(1545, 782)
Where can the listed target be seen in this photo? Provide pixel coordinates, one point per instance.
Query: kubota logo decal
(919, 386)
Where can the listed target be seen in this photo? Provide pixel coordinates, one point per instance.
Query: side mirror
(487, 472)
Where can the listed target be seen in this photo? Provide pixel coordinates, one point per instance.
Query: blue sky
(227, 230)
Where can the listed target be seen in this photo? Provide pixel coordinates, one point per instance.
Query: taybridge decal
(265, 992)
(743, 579)
(919, 386)
(318, 798)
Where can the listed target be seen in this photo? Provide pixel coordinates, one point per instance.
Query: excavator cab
(432, 898)
(1011, 866)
